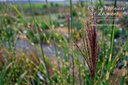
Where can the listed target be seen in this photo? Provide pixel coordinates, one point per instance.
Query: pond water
(49, 50)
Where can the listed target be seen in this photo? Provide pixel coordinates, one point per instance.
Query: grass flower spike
(91, 47)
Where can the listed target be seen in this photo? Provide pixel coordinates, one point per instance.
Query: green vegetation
(53, 44)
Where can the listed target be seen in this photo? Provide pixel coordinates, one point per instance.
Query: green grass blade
(124, 73)
(21, 77)
(111, 47)
(4, 73)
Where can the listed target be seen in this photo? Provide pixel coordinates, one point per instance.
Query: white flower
(115, 40)
(120, 29)
(25, 31)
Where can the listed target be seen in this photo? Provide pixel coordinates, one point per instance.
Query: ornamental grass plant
(35, 51)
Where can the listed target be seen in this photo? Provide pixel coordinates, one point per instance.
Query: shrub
(61, 17)
(44, 6)
(56, 5)
(117, 33)
(44, 25)
(56, 24)
(74, 13)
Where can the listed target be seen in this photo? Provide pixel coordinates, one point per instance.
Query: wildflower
(78, 36)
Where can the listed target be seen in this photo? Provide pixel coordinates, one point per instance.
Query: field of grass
(53, 44)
